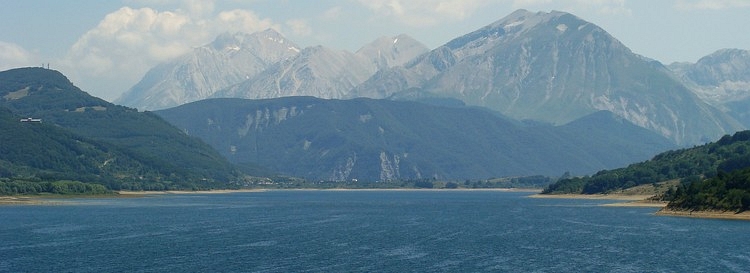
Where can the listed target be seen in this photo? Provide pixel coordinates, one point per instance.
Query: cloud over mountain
(13, 55)
(129, 41)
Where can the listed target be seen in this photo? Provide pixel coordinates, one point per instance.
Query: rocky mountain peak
(722, 79)
(722, 65)
(517, 24)
(230, 59)
(555, 67)
(392, 51)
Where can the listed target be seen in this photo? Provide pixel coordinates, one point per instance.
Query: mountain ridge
(556, 67)
(378, 140)
(228, 60)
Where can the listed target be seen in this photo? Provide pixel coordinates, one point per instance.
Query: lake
(362, 231)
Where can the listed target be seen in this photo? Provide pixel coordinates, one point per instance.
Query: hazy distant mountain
(326, 73)
(374, 140)
(228, 60)
(316, 71)
(387, 52)
(723, 79)
(554, 67)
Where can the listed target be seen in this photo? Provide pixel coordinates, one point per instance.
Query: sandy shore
(706, 214)
(441, 190)
(634, 200)
(187, 192)
(25, 200)
(621, 197)
(50, 199)
(331, 189)
(642, 201)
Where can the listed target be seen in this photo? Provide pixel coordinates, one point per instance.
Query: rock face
(315, 71)
(228, 60)
(554, 67)
(722, 79)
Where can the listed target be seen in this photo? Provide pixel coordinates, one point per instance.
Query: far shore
(188, 192)
(627, 200)
(49, 199)
(329, 189)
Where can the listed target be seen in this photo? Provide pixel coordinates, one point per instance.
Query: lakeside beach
(726, 215)
(643, 201)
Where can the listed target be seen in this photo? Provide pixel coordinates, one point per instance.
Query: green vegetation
(25, 187)
(727, 154)
(714, 176)
(86, 139)
(725, 192)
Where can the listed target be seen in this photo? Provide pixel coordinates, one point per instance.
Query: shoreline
(26, 200)
(137, 193)
(629, 199)
(724, 215)
(49, 199)
(633, 200)
(620, 197)
(642, 201)
(330, 189)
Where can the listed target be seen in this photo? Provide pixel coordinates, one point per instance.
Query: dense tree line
(26, 187)
(727, 154)
(725, 192)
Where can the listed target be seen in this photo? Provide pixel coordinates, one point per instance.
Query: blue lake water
(362, 231)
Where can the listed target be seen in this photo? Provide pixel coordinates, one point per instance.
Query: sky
(106, 46)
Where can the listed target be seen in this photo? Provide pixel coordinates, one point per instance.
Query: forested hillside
(725, 192)
(87, 139)
(713, 176)
(727, 154)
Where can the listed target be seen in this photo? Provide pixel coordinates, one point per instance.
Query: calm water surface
(362, 231)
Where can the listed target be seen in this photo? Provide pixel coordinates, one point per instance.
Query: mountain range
(265, 65)
(229, 59)
(550, 67)
(532, 93)
(555, 67)
(380, 140)
(722, 79)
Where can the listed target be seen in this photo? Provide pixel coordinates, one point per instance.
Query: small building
(35, 120)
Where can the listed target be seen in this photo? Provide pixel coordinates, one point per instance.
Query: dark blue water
(380, 231)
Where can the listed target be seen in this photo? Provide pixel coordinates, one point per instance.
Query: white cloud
(605, 7)
(423, 13)
(426, 13)
(332, 13)
(13, 56)
(711, 4)
(299, 27)
(129, 41)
